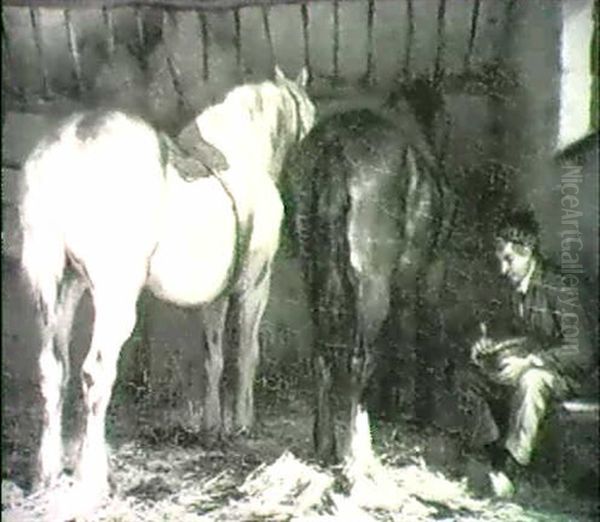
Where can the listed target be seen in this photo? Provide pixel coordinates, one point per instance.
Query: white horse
(106, 208)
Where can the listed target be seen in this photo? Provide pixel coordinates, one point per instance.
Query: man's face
(515, 260)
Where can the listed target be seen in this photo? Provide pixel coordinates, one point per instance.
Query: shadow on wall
(21, 409)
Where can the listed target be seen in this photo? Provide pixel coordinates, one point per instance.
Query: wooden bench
(569, 451)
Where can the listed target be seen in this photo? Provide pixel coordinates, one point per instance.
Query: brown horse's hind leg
(324, 426)
(372, 307)
(431, 355)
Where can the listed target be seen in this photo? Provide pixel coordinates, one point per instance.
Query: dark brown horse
(370, 210)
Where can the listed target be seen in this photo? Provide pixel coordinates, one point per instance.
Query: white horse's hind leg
(214, 316)
(115, 316)
(71, 294)
(49, 460)
(54, 375)
(252, 307)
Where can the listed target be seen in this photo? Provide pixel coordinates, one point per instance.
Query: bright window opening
(576, 75)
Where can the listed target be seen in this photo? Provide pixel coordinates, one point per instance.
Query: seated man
(548, 359)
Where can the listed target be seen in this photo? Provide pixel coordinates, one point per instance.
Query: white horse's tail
(43, 254)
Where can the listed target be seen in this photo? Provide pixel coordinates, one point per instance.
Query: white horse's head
(296, 91)
(256, 124)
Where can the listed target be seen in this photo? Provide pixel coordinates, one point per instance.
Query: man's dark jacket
(556, 323)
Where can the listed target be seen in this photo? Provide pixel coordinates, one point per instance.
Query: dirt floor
(172, 474)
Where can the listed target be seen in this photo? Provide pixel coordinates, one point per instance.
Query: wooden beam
(212, 5)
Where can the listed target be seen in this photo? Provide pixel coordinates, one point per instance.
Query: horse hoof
(501, 486)
(212, 438)
(67, 499)
(40, 484)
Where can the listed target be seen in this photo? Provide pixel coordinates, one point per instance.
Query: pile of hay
(291, 490)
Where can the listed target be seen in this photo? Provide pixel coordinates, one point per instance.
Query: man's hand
(483, 346)
(512, 367)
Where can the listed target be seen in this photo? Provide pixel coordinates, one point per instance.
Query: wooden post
(9, 62)
(110, 31)
(37, 36)
(321, 31)
(237, 38)
(336, 40)
(438, 70)
(306, 40)
(205, 44)
(473, 33)
(182, 102)
(141, 30)
(390, 26)
(369, 75)
(409, 37)
(268, 35)
(74, 51)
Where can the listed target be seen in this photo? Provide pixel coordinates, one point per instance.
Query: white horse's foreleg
(252, 308)
(54, 376)
(115, 316)
(214, 316)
